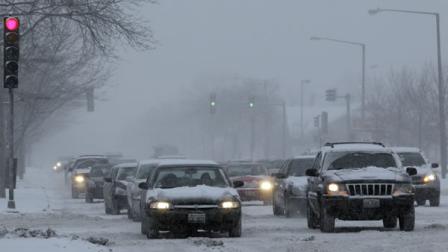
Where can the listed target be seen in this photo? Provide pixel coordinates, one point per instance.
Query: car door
(280, 183)
(314, 184)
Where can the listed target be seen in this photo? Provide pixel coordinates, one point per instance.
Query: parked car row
(346, 181)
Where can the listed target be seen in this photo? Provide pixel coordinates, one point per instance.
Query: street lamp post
(363, 66)
(441, 87)
(302, 88)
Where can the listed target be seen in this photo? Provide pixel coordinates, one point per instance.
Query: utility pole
(349, 117)
(252, 126)
(3, 164)
(302, 89)
(284, 128)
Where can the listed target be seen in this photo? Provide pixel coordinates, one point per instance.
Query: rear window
(412, 159)
(357, 160)
(298, 167)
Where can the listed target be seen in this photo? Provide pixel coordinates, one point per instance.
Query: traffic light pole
(349, 117)
(11, 163)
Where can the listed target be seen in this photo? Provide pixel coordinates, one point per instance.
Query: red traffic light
(12, 23)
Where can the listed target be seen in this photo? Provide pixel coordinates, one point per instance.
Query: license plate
(371, 203)
(196, 218)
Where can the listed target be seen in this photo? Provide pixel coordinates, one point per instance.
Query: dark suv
(359, 181)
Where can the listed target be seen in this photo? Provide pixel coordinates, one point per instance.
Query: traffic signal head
(11, 36)
(330, 94)
(212, 103)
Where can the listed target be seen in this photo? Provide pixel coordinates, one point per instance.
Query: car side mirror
(434, 165)
(238, 183)
(411, 171)
(143, 186)
(108, 179)
(280, 175)
(312, 173)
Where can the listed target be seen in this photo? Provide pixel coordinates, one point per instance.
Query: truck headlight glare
(79, 179)
(333, 187)
(162, 205)
(266, 185)
(429, 178)
(229, 204)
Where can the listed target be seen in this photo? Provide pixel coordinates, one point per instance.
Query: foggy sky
(253, 38)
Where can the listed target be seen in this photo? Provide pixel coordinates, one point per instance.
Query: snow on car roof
(356, 147)
(405, 149)
(123, 165)
(168, 162)
(304, 157)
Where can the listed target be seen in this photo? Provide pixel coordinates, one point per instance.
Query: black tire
(407, 220)
(152, 231)
(114, 208)
(421, 202)
(311, 218)
(235, 231)
(327, 222)
(144, 226)
(89, 197)
(290, 209)
(276, 209)
(107, 209)
(435, 201)
(75, 193)
(129, 212)
(390, 222)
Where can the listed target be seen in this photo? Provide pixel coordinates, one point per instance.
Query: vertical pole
(267, 145)
(301, 110)
(284, 130)
(212, 136)
(441, 87)
(363, 87)
(349, 118)
(3, 163)
(252, 135)
(11, 202)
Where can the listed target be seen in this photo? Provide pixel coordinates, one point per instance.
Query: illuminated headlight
(79, 179)
(160, 205)
(429, 178)
(120, 191)
(55, 168)
(333, 187)
(266, 185)
(58, 164)
(229, 204)
(336, 190)
(403, 189)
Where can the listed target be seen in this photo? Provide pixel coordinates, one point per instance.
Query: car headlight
(162, 205)
(229, 204)
(429, 178)
(266, 185)
(403, 189)
(55, 168)
(58, 164)
(79, 179)
(336, 189)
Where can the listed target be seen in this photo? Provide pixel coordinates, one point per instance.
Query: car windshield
(144, 171)
(125, 172)
(299, 166)
(171, 177)
(412, 159)
(245, 170)
(86, 163)
(356, 160)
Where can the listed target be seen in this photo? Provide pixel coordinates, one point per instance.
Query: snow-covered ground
(43, 203)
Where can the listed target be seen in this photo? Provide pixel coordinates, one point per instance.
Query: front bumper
(248, 194)
(352, 208)
(176, 220)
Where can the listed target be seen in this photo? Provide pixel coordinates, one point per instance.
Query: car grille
(370, 189)
(417, 180)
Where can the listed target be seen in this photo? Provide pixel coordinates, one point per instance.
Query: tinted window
(298, 167)
(354, 160)
(246, 170)
(412, 159)
(171, 177)
(144, 171)
(125, 172)
(96, 172)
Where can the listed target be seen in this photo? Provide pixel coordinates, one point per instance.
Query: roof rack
(340, 143)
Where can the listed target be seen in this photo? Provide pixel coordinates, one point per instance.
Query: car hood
(367, 174)
(193, 195)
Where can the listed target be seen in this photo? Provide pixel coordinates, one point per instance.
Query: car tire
(407, 220)
(75, 194)
(152, 231)
(276, 209)
(435, 201)
(107, 209)
(390, 222)
(421, 202)
(88, 198)
(114, 208)
(129, 212)
(311, 218)
(144, 226)
(235, 231)
(327, 222)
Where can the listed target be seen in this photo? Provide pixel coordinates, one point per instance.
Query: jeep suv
(359, 181)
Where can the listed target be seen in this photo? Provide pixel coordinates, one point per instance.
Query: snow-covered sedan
(258, 184)
(362, 181)
(115, 185)
(426, 181)
(185, 196)
(290, 186)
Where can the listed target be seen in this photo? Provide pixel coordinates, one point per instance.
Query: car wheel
(144, 226)
(421, 202)
(114, 208)
(326, 221)
(275, 208)
(407, 220)
(129, 212)
(435, 201)
(390, 222)
(311, 218)
(152, 231)
(75, 193)
(89, 198)
(235, 231)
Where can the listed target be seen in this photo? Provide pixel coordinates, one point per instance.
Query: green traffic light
(212, 103)
(251, 104)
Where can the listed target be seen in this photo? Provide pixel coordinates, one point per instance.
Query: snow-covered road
(43, 202)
